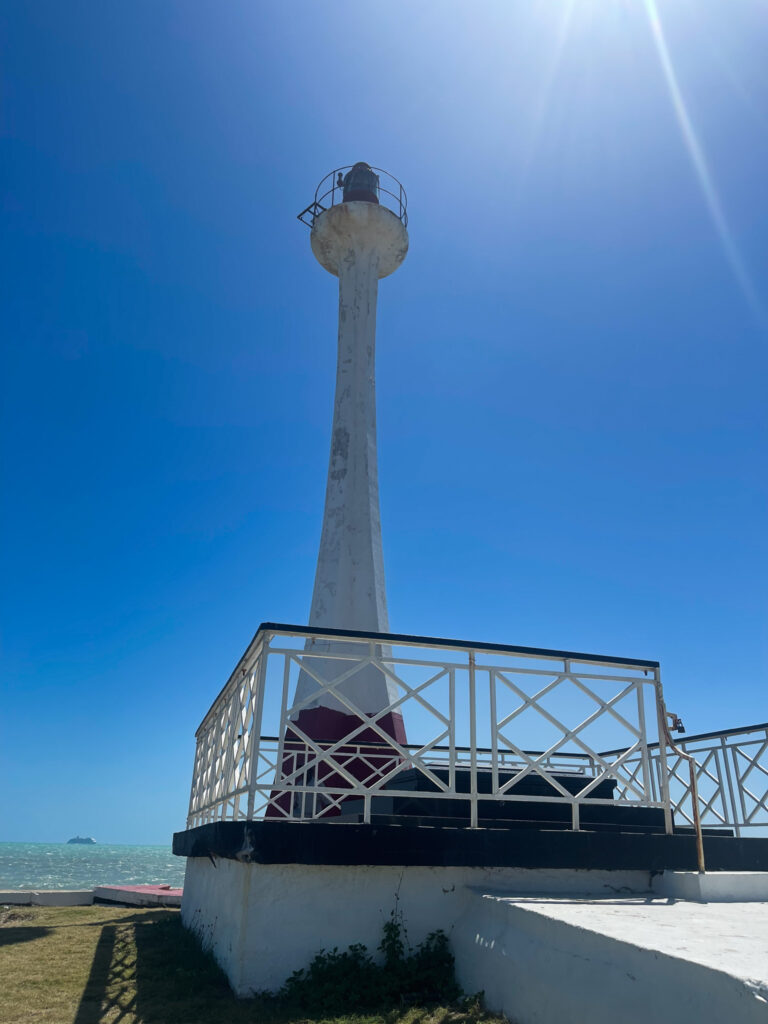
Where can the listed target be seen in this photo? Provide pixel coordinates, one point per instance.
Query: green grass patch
(112, 965)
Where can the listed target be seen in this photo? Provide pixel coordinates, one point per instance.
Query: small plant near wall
(352, 982)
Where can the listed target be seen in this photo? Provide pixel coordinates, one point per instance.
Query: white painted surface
(352, 240)
(47, 897)
(249, 710)
(618, 956)
(731, 768)
(349, 228)
(358, 242)
(714, 887)
(616, 960)
(263, 921)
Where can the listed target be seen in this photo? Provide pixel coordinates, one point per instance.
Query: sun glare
(544, 94)
(700, 166)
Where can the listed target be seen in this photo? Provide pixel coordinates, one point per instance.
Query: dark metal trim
(464, 645)
(698, 736)
(457, 748)
(329, 186)
(317, 842)
(425, 641)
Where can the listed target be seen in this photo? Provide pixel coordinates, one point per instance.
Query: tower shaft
(345, 699)
(349, 590)
(359, 242)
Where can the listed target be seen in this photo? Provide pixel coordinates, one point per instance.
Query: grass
(110, 965)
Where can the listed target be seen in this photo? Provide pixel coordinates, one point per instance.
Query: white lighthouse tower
(359, 240)
(310, 812)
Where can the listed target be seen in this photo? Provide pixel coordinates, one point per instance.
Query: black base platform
(337, 842)
(422, 807)
(607, 817)
(626, 823)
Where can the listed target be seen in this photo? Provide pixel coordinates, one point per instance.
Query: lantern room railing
(330, 192)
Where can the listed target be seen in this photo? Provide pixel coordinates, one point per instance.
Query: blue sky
(571, 362)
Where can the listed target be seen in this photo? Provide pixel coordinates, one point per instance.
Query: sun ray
(701, 169)
(544, 94)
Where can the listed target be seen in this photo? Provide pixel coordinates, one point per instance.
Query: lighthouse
(311, 813)
(356, 237)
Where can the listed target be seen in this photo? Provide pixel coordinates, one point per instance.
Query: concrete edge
(114, 894)
(717, 887)
(46, 897)
(512, 953)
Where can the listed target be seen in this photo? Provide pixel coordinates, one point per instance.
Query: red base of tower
(366, 757)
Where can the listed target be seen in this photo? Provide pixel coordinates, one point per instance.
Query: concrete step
(624, 958)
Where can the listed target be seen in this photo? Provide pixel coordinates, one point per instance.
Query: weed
(352, 982)
(12, 914)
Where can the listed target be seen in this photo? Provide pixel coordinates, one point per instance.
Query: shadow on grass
(148, 968)
(94, 995)
(22, 933)
(149, 916)
(177, 982)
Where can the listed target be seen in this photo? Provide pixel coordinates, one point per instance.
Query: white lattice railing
(489, 720)
(731, 773)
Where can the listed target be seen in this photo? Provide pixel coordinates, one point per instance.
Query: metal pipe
(692, 766)
(472, 742)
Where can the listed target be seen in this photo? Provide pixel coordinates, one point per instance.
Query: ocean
(61, 866)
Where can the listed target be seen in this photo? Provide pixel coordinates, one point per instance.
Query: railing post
(692, 766)
(664, 773)
(472, 743)
(261, 676)
(731, 793)
(494, 734)
(740, 784)
(233, 717)
(696, 818)
(644, 738)
(282, 726)
(654, 765)
(195, 790)
(206, 786)
(452, 728)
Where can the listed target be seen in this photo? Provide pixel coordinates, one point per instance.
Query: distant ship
(86, 840)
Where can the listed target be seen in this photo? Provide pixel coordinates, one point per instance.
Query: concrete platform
(134, 895)
(261, 922)
(139, 895)
(628, 958)
(47, 897)
(714, 887)
(546, 946)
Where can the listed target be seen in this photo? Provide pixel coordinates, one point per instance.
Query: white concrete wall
(47, 897)
(542, 970)
(714, 887)
(263, 921)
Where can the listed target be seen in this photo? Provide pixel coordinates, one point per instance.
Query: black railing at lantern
(330, 192)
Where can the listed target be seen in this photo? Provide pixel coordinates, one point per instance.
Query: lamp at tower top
(357, 183)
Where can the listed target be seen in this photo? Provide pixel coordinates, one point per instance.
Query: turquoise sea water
(61, 866)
